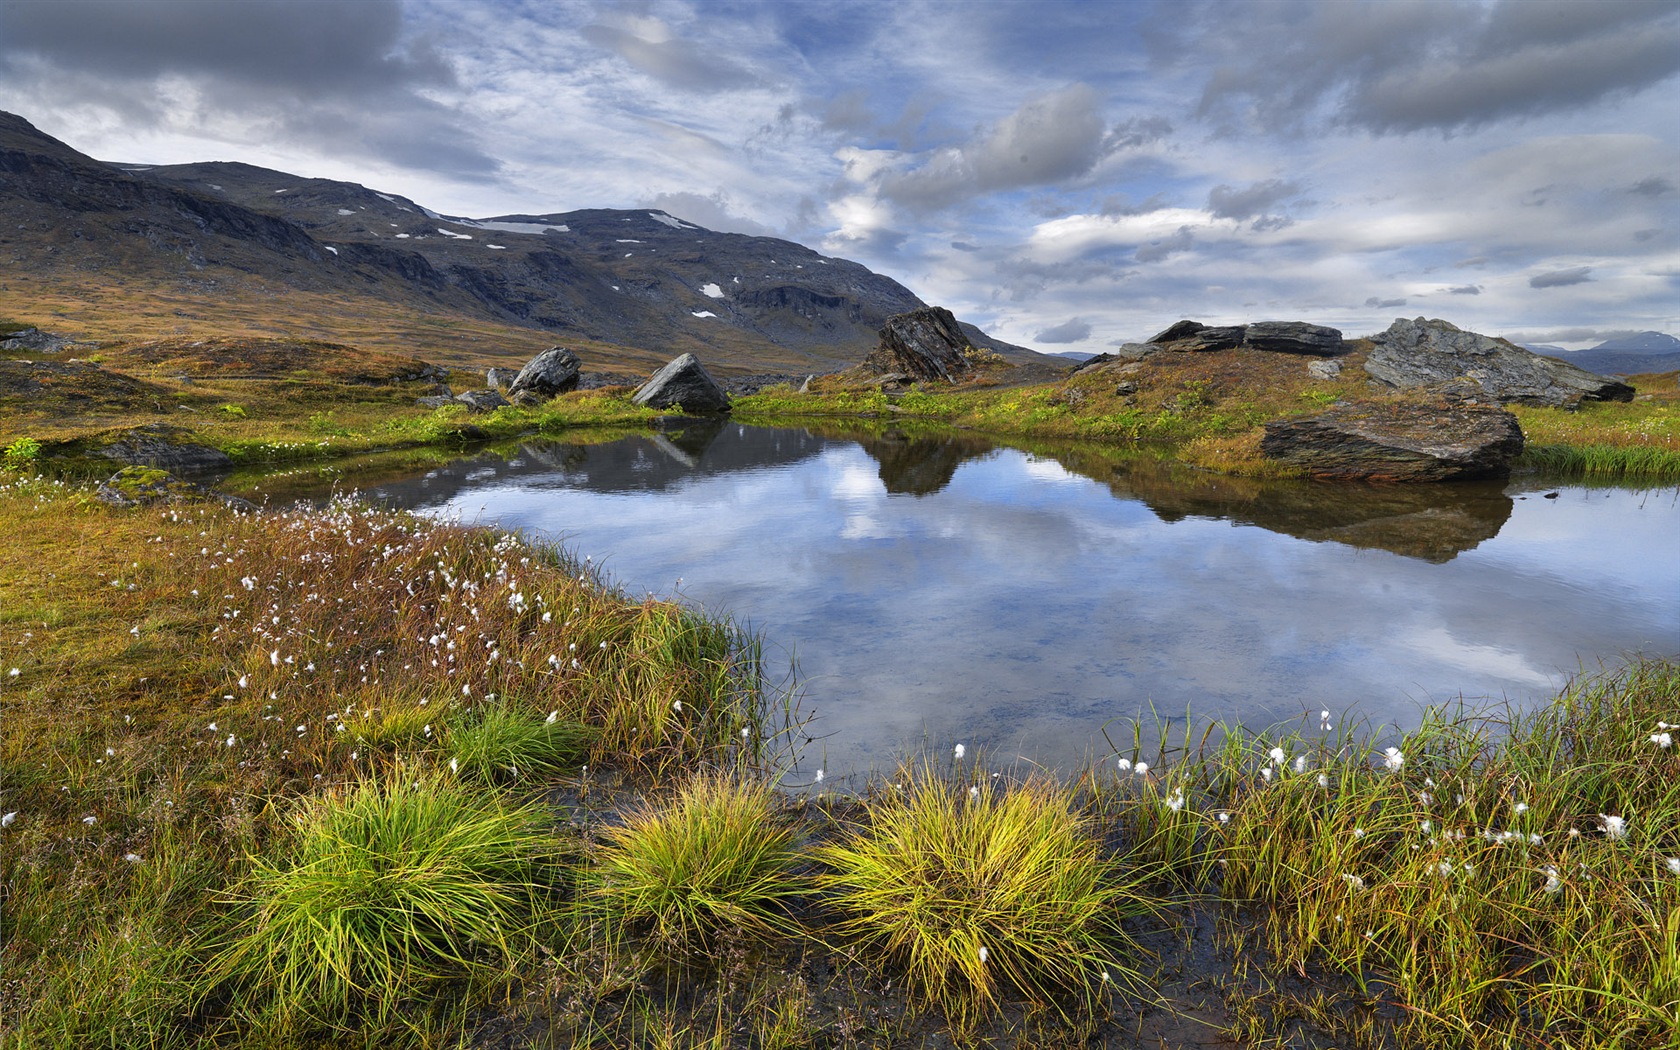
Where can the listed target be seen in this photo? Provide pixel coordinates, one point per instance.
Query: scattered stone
(1434, 353)
(1325, 370)
(683, 382)
(528, 399)
(34, 339)
(500, 378)
(1126, 388)
(482, 400)
(434, 400)
(1380, 441)
(1293, 337)
(550, 374)
(923, 344)
(162, 446)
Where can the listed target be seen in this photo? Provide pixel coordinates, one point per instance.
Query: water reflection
(930, 584)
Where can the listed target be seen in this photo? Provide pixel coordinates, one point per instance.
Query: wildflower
(1266, 774)
(819, 777)
(230, 741)
(1124, 765)
(1354, 881)
(1552, 882)
(1614, 827)
(746, 734)
(1224, 817)
(90, 820)
(13, 673)
(1300, 763)
(1277, 755)
(1662, 739)
(1426, 826)
(1142, 769)
(1393, 758)
(1358, 833)
(427, 731)
(676, 705)
(1445, 868)
(110, 752)
(958, 752)
(974, 792)
(1324, 720)
(982, 953)
(1175, 801)
(466, 690)
(132, 858)
(1324, 780)
(1674, 865)
(212, 727)
(244, 680)
(274, 658)
(6, 821)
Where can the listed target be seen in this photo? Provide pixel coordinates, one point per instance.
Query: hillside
(103, 250)
(1643, 353)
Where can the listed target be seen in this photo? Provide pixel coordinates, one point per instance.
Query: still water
(941, 590)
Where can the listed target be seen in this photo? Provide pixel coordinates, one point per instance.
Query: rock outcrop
(924, 344)
(1466, 366)
(160, 446)
(500, 378)
(482, 400)
(551, 373)
(1283, 337)
(1382, 441)
(683, 382)
(34, 339)
(1195, 337)
(136, 486)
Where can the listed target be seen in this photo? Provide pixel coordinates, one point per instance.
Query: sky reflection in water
(1019, 607)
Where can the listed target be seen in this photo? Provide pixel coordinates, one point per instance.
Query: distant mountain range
(219, 233)
(1630, 355)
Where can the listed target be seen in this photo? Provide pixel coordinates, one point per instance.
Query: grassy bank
(343, 777)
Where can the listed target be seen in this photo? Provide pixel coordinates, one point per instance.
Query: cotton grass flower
(1393, 758)
(958, 751)
(1663, 740)
(1673, 865)
(1614, 827)
(6, 821)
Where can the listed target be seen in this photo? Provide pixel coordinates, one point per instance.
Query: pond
(937, 589)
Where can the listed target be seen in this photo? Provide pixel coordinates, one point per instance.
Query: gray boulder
(34, 339)
(684, 382)
(164, 447)
(1196, 337)
(924, 344)
(1382, 441)
(1326, 370)
(482, 400)
(136, 486)
(1434, 353)
(1293, 337)
(434, 400)
(500, 378)
(549, 374)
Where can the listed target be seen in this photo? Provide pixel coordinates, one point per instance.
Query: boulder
(163, 447)
(136, 486)
(683, 382)
(1195, 337)
(482, 400)
(34, 339)
(1325, 370)
(925, 344)
(1434, 353)
(500, 378)
(1381, 441)
(1293, 337)
(549, 374)
(434, 400)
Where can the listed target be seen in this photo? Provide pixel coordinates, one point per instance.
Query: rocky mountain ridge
(1644, 352)
(639, 278)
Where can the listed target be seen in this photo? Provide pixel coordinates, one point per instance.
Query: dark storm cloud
(1051, 138)
(1561, 278)
(676, 61)
(1398, 67)
(1070, 331)
(306, 47)
(339, 77)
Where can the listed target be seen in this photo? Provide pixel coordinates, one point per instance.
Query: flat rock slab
(163, 447)
(1379, 441)
(1436, 354)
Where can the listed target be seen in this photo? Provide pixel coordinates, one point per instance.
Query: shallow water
(940, 590)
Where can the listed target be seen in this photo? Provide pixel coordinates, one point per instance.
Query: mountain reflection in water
(935, 586)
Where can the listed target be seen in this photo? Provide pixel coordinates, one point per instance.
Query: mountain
(1630, 355)
(236, 243)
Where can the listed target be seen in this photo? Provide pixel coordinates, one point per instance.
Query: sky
(1070, 176)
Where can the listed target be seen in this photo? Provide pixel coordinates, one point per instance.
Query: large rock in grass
(137, 486)
(924, 344)
(686, 383)
(1436, 354)
(1293, 337)
(164, 447)
(1382, 441)
(482, 400)
(1195, 337)
(551, 373)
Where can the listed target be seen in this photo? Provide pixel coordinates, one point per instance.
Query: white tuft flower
(6, 821)
(1674, 865)
(274, 658)
(132, 858)
(1358, 833)
(1614, 827)
(1324, 720)
(982, 953)
(1142, 769)
(1394, 758)
(553, 716)
(1300, 763)
(1175, 801)
(1266, 774)
(974, 792)
(244, 680)
(958, 751)
(454, 766)
(1124, 765)
(1354, 881)
(230, 741)
(819, 777)
(1552, 882)
(676, 705)
(1277, 755)
(1662, 739)
(1324, 780)
(90, 820)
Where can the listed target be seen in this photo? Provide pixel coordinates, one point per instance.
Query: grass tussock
(971, 892)
(713, 864)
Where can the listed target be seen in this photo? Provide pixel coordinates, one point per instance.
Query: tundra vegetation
(340, 776)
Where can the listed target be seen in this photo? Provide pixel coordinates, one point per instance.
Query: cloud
(1383, 304)
(1400, 67)
(1655, 186)
(1561, 278)
(1049, 139)
(1071, 331)
(1155, 251)
(1465, 289)
(1226, 202)
(653, 47)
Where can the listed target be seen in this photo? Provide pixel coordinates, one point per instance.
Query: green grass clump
(967, 891)
(505, 744)
(382, 891)
(714, 863)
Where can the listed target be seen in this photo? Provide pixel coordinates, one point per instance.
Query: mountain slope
(223, 234)
(1632, 355)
